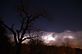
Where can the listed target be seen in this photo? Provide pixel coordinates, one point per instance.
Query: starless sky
(62, 14)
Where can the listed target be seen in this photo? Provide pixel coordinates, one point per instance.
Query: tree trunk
(18, 48)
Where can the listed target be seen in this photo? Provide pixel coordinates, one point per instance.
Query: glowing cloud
(48, 38)
(69, 37)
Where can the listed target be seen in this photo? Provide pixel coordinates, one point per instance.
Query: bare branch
(12, 26)
(29, 38)
(33, 19)
(18, 35)
(22, 24)
(25, 29)
(10, 30)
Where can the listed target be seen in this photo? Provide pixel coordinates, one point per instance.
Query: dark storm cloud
(62, 14)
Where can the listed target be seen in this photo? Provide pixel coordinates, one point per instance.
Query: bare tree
(26, 22)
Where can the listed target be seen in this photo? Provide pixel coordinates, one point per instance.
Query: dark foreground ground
(51, 50)
(43, 50)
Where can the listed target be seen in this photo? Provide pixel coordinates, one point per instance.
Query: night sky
(62, 14)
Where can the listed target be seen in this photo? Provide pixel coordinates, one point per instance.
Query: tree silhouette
(27, 19)
(36, 46)
(4, 40)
